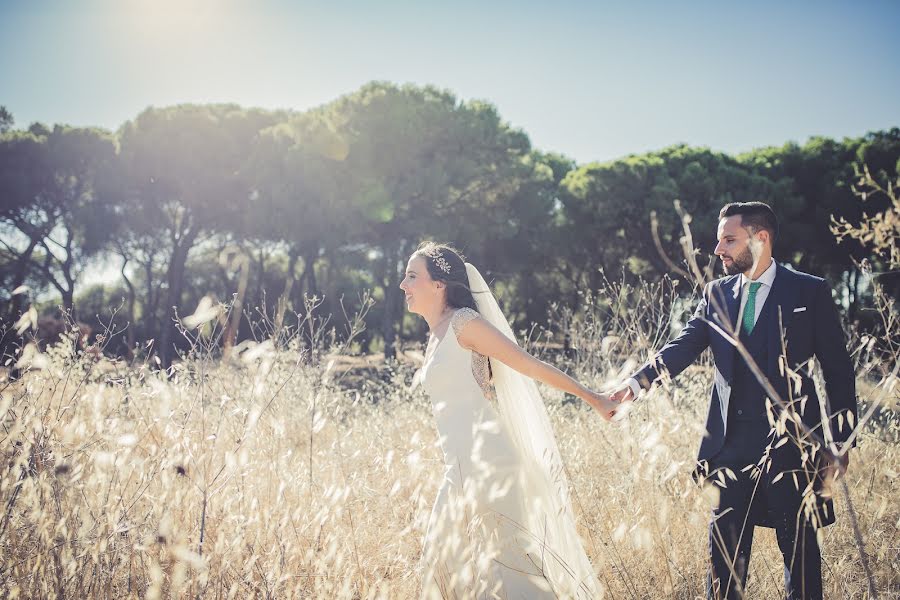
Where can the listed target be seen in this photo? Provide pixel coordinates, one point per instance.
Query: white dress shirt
(766, 279)
(762, 293)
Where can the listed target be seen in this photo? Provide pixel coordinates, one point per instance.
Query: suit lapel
(734, 303)
(779, 304)
(729, 295)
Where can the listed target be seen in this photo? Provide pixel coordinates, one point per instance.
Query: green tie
(750, 308)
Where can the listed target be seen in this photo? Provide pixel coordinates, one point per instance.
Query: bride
(502, 525)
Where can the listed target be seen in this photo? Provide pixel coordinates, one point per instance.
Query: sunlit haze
(592, 80)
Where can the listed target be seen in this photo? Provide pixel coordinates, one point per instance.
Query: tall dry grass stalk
(265, 476)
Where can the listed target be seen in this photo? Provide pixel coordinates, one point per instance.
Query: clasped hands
(609, 404)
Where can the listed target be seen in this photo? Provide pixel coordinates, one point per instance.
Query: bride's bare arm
(482, 337)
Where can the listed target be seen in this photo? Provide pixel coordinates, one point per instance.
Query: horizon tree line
(197, 200)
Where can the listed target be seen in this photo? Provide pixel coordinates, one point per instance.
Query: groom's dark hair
(754, 215)
(445, 263)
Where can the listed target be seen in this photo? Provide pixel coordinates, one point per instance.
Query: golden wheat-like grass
(264, 478)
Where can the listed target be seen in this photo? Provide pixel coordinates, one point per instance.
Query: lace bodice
(481, 367)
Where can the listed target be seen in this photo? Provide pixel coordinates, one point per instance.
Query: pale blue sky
(593, 80)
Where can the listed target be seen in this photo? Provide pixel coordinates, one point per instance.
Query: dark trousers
(749, 502)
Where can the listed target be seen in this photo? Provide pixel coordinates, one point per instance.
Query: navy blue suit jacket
(803, 308)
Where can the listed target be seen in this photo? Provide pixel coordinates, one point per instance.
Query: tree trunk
(65, 293)
(175, 280)
(391, 301)
(261, 299)
(68, 301)
(21, 271)
(66, 268)
(132, 300)
(238, 306)
(309, 273)
(151, 302)
(284, 299)
(298, 290)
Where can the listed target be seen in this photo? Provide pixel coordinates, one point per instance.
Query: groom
(768, 467)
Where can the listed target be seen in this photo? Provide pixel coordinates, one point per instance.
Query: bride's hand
(602, 404)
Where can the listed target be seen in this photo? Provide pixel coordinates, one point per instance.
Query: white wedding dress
(498, 529)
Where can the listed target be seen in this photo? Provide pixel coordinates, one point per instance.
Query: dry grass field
(266, 476)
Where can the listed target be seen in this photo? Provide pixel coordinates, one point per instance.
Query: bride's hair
(445, 263)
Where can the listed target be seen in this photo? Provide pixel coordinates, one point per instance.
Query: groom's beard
(740, 263)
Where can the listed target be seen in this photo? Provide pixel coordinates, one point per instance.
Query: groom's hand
(836, 465)
(623, 394)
